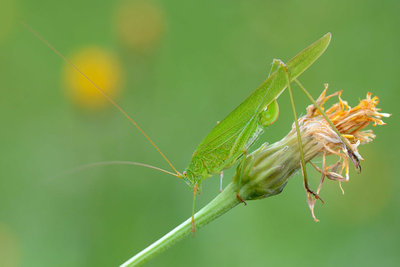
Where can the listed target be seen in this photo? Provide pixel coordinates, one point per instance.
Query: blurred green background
(178, 67)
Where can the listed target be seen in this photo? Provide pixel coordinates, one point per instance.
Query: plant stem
(263, 175)
(218, 206)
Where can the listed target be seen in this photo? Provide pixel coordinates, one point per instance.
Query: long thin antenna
(115, 162)
(178, 174)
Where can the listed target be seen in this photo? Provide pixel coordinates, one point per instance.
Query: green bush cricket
(231, 138)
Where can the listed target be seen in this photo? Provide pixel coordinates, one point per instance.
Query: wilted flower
(266, 171)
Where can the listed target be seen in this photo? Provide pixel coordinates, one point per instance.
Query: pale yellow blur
(139, 25)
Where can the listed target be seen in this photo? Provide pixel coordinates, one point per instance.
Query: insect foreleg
(193, 208)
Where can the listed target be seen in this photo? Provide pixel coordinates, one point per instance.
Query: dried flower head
(266, 171)
(350, 122)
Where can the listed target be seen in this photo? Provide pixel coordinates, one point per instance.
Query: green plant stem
(261, 174)
(265, 172)
(218, 206)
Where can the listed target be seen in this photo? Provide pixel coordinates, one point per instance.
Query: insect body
(230, 138)
(227, 142)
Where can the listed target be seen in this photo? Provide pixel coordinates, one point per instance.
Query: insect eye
(184, 173)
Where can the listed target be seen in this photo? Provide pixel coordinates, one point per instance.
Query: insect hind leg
(352, 155)
(302, 160)
(270, 115)
(276, 63)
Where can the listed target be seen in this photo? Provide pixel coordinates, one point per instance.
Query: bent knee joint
(270, 115)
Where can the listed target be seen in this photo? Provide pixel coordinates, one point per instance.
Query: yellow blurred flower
(102, 68)
(139, 24)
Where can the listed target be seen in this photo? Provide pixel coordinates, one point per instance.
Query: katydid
(227, 142)
(231, 138)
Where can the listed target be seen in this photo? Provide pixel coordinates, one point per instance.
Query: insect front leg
(194, 206)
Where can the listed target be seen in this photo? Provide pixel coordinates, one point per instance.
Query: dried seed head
(266, 171)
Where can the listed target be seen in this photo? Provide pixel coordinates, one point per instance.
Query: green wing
(239, 129)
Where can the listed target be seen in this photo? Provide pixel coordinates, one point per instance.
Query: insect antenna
(178, 174)
(115, 162)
